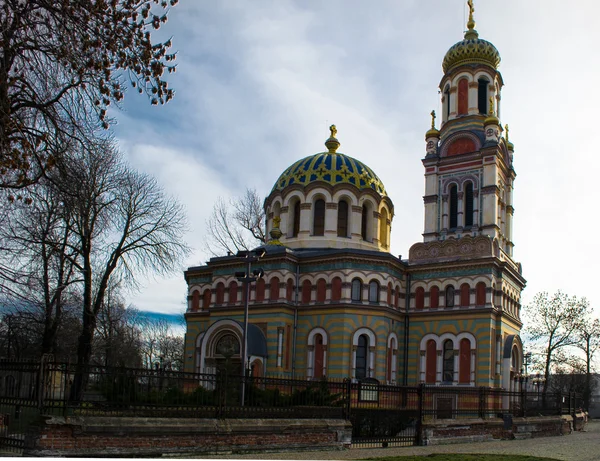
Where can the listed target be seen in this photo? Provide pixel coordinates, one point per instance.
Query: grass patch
(463, 457)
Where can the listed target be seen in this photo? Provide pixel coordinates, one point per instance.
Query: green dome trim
(471, 51)
(331, 168)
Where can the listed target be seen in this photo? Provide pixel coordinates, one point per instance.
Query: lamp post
(247, 277)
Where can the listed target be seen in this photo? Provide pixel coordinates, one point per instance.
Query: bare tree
(588, 341)
(59, 59)
(161, 346)
(121, 225)
(36, 261)
(552, 321)
(236, 225)
(118, 336)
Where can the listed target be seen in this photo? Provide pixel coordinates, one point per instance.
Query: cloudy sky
(258, 83)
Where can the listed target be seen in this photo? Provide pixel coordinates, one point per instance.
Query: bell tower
(469, 174)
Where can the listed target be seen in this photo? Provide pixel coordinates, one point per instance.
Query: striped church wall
(480, 328)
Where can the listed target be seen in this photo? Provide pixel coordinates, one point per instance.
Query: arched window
(374, 291)
(206, 298)
(233, 292)
(289, 290)
(391, 366)
(448, 362)
(449, 296)
(447, 98)
(220, 298)
(464, 363)
(306, 291)
(480, 294)
(431, 362)
(362, 351)
(342, 224)
(397, 296)
(469, 204)
(453, 206)
(389, 294)
(356, 294)
(482, 95)
(465, 295)
(321, 290)
(260, 290)
(319, 218)
(319, 356)
(434, 297)
(296, 219)
(274, 292)
(195, 300)
(463, 96)
(420, 298)
(364, 223)
(383, 217)
(336, 289)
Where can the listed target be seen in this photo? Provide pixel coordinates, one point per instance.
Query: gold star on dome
(344, 172)
(321, 171)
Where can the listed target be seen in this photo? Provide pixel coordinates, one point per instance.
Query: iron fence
(381, 415)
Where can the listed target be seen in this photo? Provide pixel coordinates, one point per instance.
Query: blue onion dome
(332, 168)
(471, 50)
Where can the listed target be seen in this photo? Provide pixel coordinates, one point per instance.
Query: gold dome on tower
(472, 49)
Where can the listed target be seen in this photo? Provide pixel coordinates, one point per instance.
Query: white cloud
(258, 85)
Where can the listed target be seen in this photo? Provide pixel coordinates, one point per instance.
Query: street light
(248, 276)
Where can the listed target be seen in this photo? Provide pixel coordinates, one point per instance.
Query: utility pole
(247, 277)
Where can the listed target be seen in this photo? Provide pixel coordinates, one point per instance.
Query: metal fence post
(348, 391)
(420, 397)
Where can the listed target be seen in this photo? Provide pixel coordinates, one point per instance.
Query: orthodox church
(334, 302)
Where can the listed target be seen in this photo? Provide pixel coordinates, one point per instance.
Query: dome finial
(506, 129)
(471, 32)
(433, 119)
(332, 143)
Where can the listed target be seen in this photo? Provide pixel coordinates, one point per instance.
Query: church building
(334, 302)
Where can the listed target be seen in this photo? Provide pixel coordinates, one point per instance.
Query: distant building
(334, 302)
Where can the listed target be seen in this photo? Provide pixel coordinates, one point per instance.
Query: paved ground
(579, 446)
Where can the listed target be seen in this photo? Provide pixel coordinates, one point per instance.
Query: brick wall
(97, 436)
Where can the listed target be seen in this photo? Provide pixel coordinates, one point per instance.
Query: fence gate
(383, 416)
(19, 403)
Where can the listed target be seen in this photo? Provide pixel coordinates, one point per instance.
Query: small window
(469, 204)
(289, 290)
(296, 223)
(206, 298)
(319, 218)
(465, 295)
(336, 289)
(195, 300)
(356, 294)
(342, 227)
(482, 95)
(220, 298)
(233, 292)
(449, 296)
(362, 350)
(364, 222)
(463, 96)
(374, 291)
(420, 298)
(447, 97)
(260, 291)
(434, 297)
(390, 291)
(448, 362)
(453, 207)
(306, 292)
(321, 290)
(274, 292)
(480, 294)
